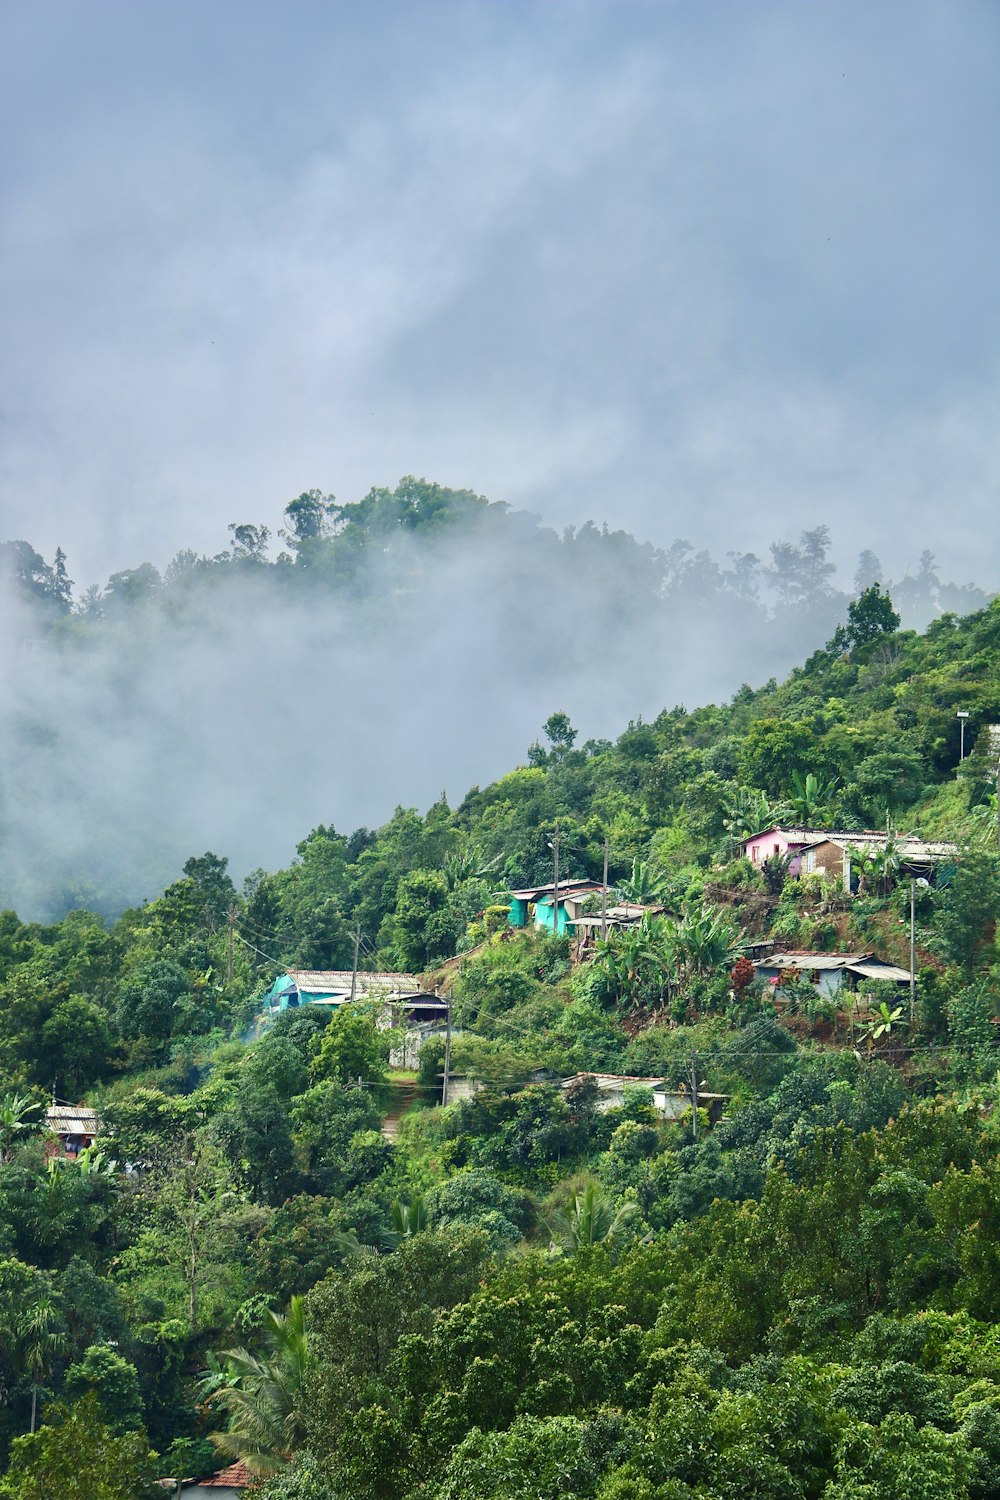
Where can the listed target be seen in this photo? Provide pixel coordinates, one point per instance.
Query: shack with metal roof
(829, 972)
(533, 906)
(74, 1125)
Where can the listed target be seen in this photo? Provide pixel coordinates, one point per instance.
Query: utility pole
(447, 1054)
(555, 885)
(230, 925)
(961, 716)
(604, 897)
(694, 1096)
(913, 951)
(354, 970)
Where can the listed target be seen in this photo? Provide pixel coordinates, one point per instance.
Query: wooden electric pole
(230, 925)
(604, 897)
(354, 970)
(555, 885)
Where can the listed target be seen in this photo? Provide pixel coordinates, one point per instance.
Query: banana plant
(811, 798)
(883, 1023)
(642, 887)
(15, 1118)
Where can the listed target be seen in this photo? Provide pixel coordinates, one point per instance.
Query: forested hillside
(408, 642)
(520, 1294)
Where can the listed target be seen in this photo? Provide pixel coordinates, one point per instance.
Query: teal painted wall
(543, 916)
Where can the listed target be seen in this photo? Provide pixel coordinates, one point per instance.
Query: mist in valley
(392, 652)
(712, 274)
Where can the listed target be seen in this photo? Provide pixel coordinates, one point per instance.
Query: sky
(708, 270)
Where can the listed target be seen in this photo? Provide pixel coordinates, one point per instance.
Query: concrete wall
(209, 1492)
(831, 981)
(765, 845)
(829, 859)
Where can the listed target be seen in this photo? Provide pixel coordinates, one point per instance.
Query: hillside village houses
(227, 1484)
(836, 853)
(401, 1003)
(533, 905)
(333, 987)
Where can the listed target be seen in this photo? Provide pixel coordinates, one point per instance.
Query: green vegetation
(523, 1294)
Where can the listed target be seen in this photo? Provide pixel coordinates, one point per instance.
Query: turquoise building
(532, 907)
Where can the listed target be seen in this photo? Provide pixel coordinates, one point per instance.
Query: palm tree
(40, 1340)
(469, 864)
(260, 1393)
(811, 798)
(591, 1220)
(407, 1219)
(879, 871)
(14, 1121)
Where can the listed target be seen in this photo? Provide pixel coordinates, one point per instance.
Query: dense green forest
(519, 1294)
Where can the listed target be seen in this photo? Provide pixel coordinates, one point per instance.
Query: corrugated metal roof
(661, 1084)
(630, 912)
(71, 1119)
(566, 888)
(812, 961)
(865, 839)
(793, 835)
(627, 909)
(332, 981)
(875, 969)
(865, 964)
(907, 846)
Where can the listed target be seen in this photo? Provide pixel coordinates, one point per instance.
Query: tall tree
(261, 1393)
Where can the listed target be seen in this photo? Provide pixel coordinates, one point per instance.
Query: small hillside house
(588, 929)
(415, 1021)
(671, 1103)
(400, 1004)
(835, 853)
(829, 972)
(228, 1484)
(332, 987)
(74, 1126)
(533, 906)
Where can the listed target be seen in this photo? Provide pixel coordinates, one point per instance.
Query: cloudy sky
(699, 269)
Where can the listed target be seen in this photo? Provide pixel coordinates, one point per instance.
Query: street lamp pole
(555, 885)
(913, 945)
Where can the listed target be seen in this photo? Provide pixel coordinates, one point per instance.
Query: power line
(254, 949)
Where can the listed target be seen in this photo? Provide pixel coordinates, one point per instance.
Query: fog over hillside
(725, 273)
(414, 645)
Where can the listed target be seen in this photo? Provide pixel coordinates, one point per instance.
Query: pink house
(781, 841)
(831, 853)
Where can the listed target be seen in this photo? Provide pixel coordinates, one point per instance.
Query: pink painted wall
(774, 841)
